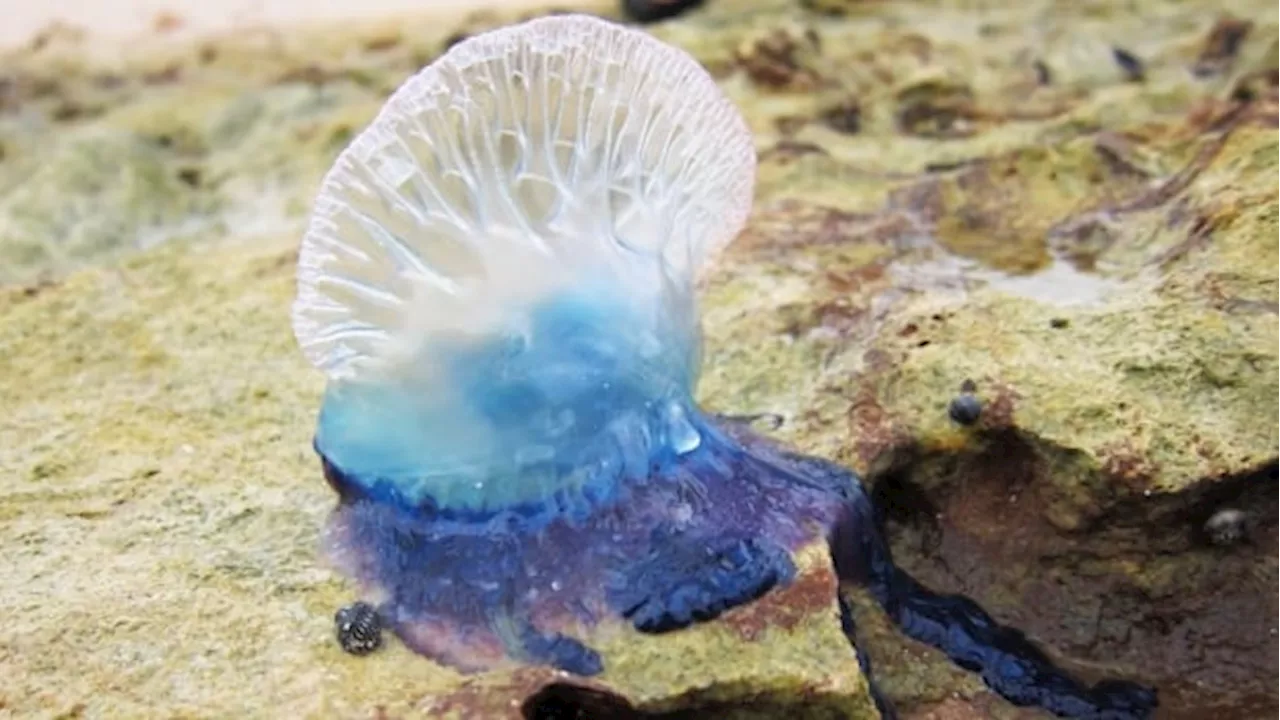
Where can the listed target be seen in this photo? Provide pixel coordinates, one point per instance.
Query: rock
(936, 107)
(832, 7)
(783, 58)
(1098, 256)
(92, 197)
(647, 11)
(843, 117)
(965, 409)
(1221, 45)
(786, 652)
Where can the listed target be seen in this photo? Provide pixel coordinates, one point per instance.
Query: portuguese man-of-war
(499, 281)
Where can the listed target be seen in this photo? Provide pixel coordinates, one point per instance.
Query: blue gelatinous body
(551, 416)
(698, 533)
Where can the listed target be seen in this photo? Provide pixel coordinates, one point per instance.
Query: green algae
(97, 195)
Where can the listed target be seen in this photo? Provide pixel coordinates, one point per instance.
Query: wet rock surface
(784, 654)
(946, 195)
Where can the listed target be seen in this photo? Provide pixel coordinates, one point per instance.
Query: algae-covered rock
(785, 654)
(1007, 206)
(95, 196)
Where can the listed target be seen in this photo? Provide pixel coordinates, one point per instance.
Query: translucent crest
(563, 154)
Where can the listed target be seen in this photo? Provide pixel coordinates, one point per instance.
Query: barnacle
(1227, 526)
(499, 281)
(359, 628)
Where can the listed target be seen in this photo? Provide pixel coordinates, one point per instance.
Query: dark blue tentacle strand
(1008, 662)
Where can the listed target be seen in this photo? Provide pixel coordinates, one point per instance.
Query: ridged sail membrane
(498, 274)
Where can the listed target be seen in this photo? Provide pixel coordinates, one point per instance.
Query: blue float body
(554, 417)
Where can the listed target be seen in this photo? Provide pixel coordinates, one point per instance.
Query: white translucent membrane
(567, 157)
(519, 161)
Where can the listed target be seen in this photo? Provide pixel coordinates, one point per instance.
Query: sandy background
(22, 20)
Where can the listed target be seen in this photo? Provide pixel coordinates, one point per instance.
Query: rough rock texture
(991, 194)
(785, 654)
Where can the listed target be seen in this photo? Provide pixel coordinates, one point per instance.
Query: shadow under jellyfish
(499, 281)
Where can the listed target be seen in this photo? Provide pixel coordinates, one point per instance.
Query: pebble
(647, 11)
(1130, 65)
(965, 409)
